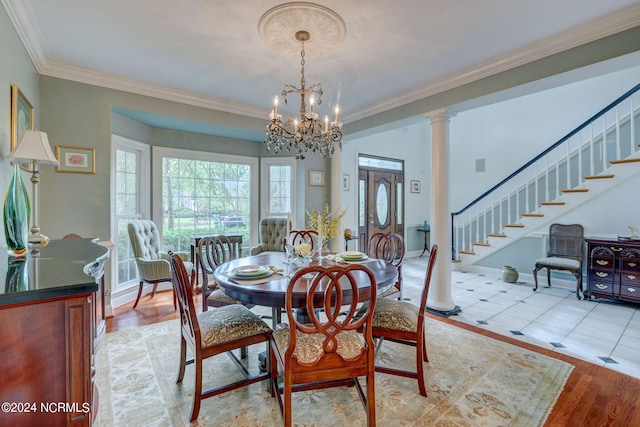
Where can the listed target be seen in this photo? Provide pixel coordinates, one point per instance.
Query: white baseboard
(129, 295)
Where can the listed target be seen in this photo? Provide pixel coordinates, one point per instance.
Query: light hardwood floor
(593, 395)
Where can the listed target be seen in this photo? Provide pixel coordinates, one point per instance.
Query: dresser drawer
(630, 278)
(601, 287)
(627, 291)
(601, 275)
(602, 263)
(630, 264)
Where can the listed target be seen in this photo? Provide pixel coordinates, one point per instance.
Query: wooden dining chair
(403, 322)
(389, 247)
(211, 333)
(327, 351)
(212, 252)
(299, 236)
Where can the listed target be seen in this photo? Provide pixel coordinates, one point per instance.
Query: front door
(381, 204)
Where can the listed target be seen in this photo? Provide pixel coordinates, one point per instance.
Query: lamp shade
(34, 145)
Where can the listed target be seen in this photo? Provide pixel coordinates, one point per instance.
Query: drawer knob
(631, 289)
(601, 274)
(632, 264)
(601, 286)
(631, 277)
(601, 262)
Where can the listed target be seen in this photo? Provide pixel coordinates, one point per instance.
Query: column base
(445, 313)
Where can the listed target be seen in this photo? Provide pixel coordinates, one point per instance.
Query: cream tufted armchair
(272, 232)
(152, 262)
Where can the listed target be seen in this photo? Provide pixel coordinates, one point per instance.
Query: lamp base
(38, 239)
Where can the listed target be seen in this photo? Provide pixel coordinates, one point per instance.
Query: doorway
(380, 197)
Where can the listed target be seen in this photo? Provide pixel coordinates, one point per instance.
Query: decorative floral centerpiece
(326, 223)
(303, 249)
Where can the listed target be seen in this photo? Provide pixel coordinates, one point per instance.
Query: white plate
(352, 256)
(251, 271)
(259, 275)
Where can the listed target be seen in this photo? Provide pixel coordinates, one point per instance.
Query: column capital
(441, 114)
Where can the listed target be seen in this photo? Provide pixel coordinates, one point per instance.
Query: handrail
(551, 148)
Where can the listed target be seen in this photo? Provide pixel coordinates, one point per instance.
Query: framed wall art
(316, 178)
(21, 115)
(415, 186)
(346, 182)
(76, 159)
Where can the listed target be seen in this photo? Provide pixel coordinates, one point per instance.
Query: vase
(16, 215)
(509, 274)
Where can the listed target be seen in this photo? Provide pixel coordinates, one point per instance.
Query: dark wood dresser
(613, 269)
(50, 319)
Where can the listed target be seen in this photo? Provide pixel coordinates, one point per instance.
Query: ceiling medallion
(279, 25)
(296, 24)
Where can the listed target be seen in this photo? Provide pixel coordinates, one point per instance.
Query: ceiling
(209, 53)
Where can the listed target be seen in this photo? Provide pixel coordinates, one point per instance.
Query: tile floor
(606, 333)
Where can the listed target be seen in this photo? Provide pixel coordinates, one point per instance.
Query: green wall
(15, 68)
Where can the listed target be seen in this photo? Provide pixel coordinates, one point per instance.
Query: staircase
(595, 157)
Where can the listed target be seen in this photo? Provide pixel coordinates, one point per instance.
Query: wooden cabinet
(613, 269)
(48, 324)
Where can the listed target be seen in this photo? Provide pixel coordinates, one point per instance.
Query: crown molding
(621, 20)
(110, 81)
(21, 16)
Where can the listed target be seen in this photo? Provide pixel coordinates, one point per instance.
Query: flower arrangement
(326, 223)
(303, 249)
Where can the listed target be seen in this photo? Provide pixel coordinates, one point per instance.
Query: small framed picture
(21, 115)
(316, 178)
(76, 159)
(346, 182)
(415, 186)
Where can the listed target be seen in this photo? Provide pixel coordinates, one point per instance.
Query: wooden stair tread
(532, 215)
(575, 190)
(617, 162)
(599, 176)
(496, 235)
(467, 252)
(552, 203)
(481, 244)
(514, 225)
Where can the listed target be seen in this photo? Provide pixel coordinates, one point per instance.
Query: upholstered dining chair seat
(229, 323)
(218, 298)
(309, 346)
(394, 314)
(558, 262)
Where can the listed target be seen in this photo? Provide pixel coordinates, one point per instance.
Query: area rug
(471, 380)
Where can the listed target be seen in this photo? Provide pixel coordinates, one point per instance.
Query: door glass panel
(362, 201)
(399, 203)
(382, 204)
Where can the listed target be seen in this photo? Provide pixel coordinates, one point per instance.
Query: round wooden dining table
(273, 292)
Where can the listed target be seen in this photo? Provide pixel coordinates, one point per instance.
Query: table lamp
(34, 148)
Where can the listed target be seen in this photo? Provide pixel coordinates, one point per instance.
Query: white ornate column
(336, 195)
(439, 300)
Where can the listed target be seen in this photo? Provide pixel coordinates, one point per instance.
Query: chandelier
(305, 133)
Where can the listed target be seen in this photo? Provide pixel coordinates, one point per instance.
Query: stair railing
(585, 152)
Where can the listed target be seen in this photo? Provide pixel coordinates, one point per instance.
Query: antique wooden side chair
(213, 332)
(565, 253)
(213, 251)
(389, 247)
(403, 322)
(328, 351)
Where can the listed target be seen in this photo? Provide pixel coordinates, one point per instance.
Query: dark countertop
(63, 268)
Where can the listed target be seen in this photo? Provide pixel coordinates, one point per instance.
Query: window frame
(159, 153)
(265, 162)
(143, 151)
